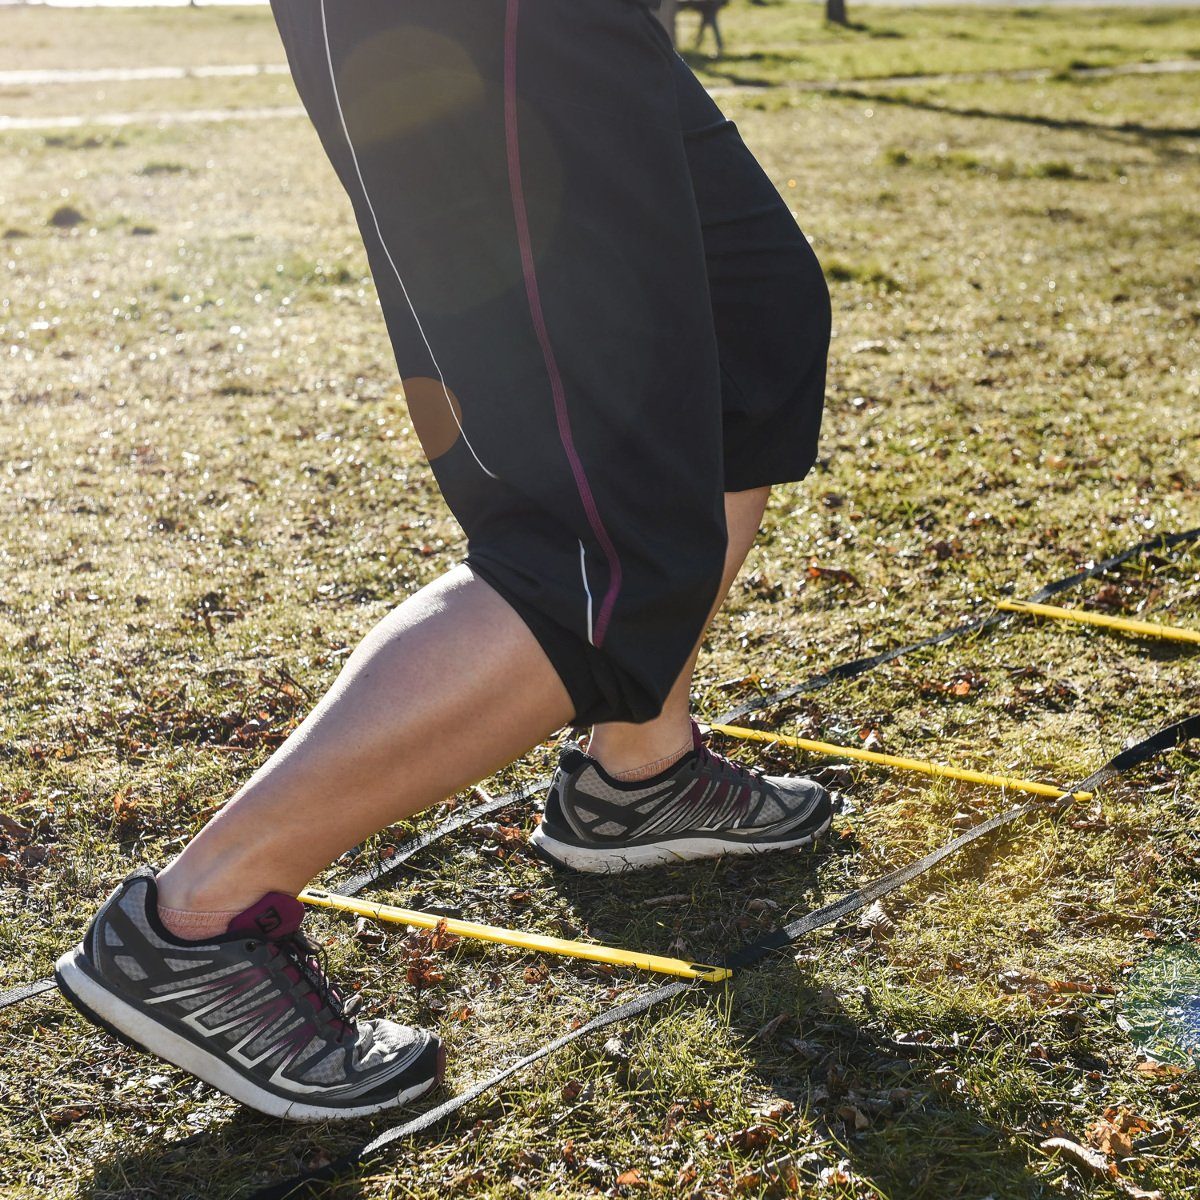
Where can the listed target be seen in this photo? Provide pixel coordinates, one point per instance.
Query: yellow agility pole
(902, 764)
(1146, 628)
(516, 938)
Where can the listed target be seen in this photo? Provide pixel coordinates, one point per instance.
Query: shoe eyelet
(249, 946)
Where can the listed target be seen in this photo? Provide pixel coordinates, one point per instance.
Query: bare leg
(387, 739)
(412, 718)
(656, 744)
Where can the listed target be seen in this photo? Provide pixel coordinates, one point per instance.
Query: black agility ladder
(756, 951)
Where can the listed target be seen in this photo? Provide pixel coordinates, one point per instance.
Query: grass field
(207, 497)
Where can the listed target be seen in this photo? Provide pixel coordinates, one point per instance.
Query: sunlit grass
(210, 490)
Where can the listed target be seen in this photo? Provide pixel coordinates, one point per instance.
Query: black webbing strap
(26, 991)
(860, 666)
(747, 956)
(388, 866)
(848, 670)
(460, 819)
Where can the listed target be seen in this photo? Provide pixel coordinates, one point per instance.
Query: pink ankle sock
(648, 769)
(194, 926)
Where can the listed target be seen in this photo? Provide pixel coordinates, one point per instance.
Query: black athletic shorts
(603, 313)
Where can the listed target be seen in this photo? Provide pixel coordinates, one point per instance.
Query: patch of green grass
(869, 274)
(211, 490)
(83, 141)
(163, 168)
(791, 42)
(1003, 168)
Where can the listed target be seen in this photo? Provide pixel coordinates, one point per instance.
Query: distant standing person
(709, 11)
(612, 338)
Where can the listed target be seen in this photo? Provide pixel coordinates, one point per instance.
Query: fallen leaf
(422, 973)
(368, 933)
(853, 1115)
(839, 1174)
(441, 938)
(15, 828)
(1109, 1140)
(837, 574)
(126, 818)
(1109, 596)
(1157, 1070)
(776, 1110)
(772, 1027)
(878, 922)
(686, 1177)
(675, 1114)
(1088, 1160)
(1114, 1131)
(753, 1137)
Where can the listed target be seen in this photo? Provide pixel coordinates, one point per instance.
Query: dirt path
(180, 116)
(134, 74)
(216, 115)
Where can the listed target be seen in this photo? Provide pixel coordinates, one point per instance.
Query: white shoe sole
(95, 1000)
(602, 861)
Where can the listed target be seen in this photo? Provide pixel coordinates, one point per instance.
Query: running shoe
(250, 1012)
(703, 806)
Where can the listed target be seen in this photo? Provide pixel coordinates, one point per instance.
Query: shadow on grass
(238, 1157)
(1075, 124)
(923, 1135)
(740, 69)
(896, 1112)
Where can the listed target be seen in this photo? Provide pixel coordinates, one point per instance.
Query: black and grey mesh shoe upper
(255, 1000)
(702, 794)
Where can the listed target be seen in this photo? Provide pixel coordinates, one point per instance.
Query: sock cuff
(193, 926)
(649, 770)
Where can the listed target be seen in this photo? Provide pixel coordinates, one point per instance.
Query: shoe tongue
(571, 756)
(274, 916)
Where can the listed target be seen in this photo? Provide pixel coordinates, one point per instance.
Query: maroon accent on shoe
(748, 774)
(697, 736)
(721, 794)
(274, 916)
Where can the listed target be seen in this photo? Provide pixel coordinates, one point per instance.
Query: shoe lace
(727, 767)
(747, 779)
(312, 961)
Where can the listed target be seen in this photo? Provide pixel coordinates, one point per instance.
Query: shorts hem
(751, 478)
(564, 650)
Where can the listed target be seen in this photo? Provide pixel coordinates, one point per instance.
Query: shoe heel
(94, 1017)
